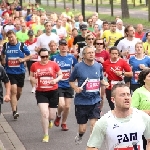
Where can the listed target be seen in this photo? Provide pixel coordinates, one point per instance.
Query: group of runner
(94, 59)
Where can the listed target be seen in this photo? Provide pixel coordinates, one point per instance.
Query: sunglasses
(90, 39)
(46, 56)
(63, 44)
(99, 43)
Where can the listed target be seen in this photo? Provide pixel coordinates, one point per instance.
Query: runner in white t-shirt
(123, 127)
(44, 39)
(61, 31)
(127, 45)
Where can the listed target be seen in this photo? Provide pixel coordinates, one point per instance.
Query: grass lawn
(133, 21)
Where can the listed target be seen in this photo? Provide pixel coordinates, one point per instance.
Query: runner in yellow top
(147, 44)
(111, 36)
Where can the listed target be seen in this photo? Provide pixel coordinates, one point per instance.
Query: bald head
(139, 28)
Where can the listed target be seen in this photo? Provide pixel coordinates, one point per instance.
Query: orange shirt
(70, 42)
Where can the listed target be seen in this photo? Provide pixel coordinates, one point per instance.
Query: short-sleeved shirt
(22, 36)
(80, 41)
(90, 94)
(147, 47)
(141, 99)
(3, 78)
(112, 36)
(120, 133)
(13, 53)
(65, 63)
(44, 74)
(111, 67)
(134, 63)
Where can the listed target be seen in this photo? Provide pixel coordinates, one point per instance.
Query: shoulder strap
(4, 46)
(21, 46)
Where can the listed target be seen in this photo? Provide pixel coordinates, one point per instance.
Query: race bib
(136, 75)
(66, 74)
(128, 148)
(45, 82)
(13, 62)
(113, 83)
(93, 85)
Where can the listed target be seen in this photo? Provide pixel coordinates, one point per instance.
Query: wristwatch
(123, 73)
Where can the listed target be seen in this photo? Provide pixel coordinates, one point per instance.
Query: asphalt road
(29, 130)
(134, 13)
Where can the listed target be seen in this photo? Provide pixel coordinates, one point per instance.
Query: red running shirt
(111, 67)
(103, 54)
(44, 74)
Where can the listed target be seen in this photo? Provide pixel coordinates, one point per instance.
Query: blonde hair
(52, 42)
(139, 43)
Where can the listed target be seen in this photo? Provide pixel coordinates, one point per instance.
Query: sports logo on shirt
(115, 126)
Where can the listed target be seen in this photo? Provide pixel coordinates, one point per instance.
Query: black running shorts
(17, 79)
(50, 97)
(66, 92)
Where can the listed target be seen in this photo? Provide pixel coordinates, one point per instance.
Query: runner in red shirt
(101, 54)
(139, 31)
(116, 69)
(46, 74)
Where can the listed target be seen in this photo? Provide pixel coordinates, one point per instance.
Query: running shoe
(45, 138)
(78, 139)
(51, 124)
(15, 115)
(57, 121)
(64, 127)
(33, 90)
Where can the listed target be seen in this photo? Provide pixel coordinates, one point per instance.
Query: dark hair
(10, 32)
(105, 22)
(74, 29)
(94, 43)
(113, 23)
(42, 50)
(147, 33)
(114, 48)
(119, 84)
(142, 76)
(127, 28)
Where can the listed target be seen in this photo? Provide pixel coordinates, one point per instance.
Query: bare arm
(76, 88)
(148, 145)
(7, 95)
(60, 75)
(128, 74)
(147, 111)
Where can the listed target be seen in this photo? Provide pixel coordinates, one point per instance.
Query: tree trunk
(112, 7)
(101, 2)
(125, 9)
(38, 1)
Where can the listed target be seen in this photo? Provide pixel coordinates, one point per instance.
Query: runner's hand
(142, 66)
(6, 98)
(118, 73)
(78, 89)
(53, 81)
(21, 60)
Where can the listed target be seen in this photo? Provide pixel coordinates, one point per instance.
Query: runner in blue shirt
(66, 62)
(138, 62)
(13, 58)
(89, 75)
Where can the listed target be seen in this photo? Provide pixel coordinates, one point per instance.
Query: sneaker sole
(16, 116)
(64, 129)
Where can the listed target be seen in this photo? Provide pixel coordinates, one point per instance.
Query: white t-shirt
(61, 32)
(24, 13)
(125, 45)
(43, 40)
(8, 27)
(121, 133)
(121, 31)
